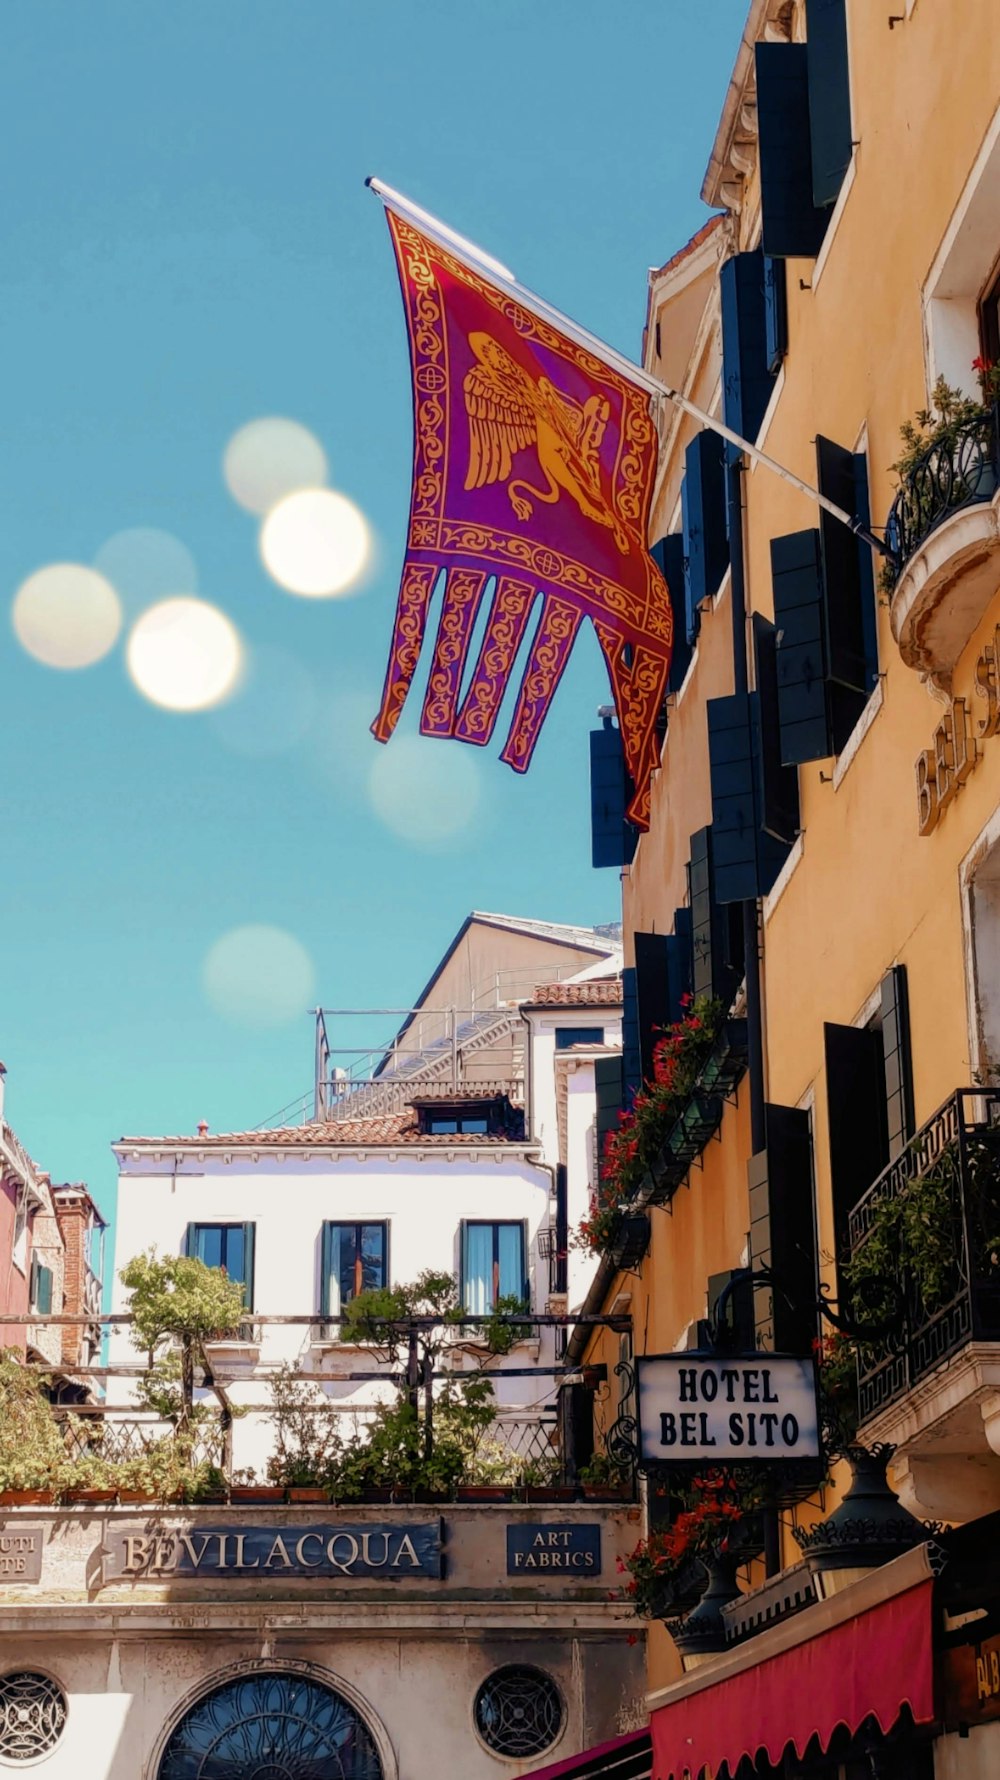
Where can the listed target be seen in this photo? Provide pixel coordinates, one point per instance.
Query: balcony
(931, 1224)
(944, 527)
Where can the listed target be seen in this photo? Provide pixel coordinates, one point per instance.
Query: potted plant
(667, 1570)
(136, 1480)
(538, 1481)
(32, 1449)
(245, 1486)
(948, 459)
(89, 1478)
(601, 1480)
(308, 1445)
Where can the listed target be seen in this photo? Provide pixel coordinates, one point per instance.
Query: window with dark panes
(354, 1260)
(230, 1246)
(869, 1083)
(494, 1264)
(458, 1124)
(567, 1036)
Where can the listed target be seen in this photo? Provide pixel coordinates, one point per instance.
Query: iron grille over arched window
(271, 1727)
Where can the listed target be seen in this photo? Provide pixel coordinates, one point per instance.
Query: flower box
(629, 1240)
(484, 1492)
(26, 1498)
(77, 1496)
(137, 1496)
(255, 1492)
(307, 1492)
(549, 1492)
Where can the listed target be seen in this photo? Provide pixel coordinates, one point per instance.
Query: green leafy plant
(643, 1129)
(837, 1379)
(938, 427)
(601, 1472)
(32, 1449)
(308, 1442)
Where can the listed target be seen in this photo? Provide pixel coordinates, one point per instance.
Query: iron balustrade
(957, 471)
(949, 1174)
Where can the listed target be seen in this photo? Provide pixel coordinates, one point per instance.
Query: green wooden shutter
(610, 1093)
(855, 1096)
(841, 559)
(249, 1243)
(631, 1048)
(652, 995)
(783, 1231)
(679, 965)
(325, 1264)
(897, 1061)
(746, 379)
(716, 929)
(791, 224)
(778, 785)
(800, 627)
(829, 84)
(775, 313)
(669, 556)
(44, 1301)
(613, 840)
(706, 541)
(731, 771)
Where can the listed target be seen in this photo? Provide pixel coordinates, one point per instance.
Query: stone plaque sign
(396, 1551)
(544, 1550)
(21, 1554)
(743, 1407)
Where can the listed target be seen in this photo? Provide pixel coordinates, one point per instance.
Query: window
(467, 1124)
(493, 1265)
(226, 1245)
(518, 1712)
(274, 1725)
(354, 1260)
(32, 1716)
(566, 1036)
(41, 1288)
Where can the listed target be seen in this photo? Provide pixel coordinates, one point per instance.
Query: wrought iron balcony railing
(929, 1228)
(958, 471)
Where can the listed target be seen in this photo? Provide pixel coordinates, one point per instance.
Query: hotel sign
(727, 1408)
(388, 1551)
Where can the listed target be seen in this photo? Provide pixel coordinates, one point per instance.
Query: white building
(355, 1641)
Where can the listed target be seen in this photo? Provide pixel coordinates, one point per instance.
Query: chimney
(3, 1079)
(72, 1217)
(202, 1127)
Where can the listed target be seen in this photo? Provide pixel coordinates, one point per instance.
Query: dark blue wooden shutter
(631, 1058)
(841, 559)
(746, 381)
(791, 224)
(668, 553)
(783, 1231)
(680, 962)
(736, 1334)
(716, 930)
(610, 1097)
(829, 97)
(746, 857)
(325, 1267)
(855, 1096)
(652, 995)
(44, 1299)
(896, 1060)
(190, 1247)
(249, 1245)
(775, 313)
(800, 628)
(734, 826)
(612, 839)
(706, 541)
(778, 785)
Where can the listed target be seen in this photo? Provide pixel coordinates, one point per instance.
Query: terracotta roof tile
(384, 1131)
(598, 992)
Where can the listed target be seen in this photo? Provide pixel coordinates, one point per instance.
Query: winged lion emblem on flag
(509, 410)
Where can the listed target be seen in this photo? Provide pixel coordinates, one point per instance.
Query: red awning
(624, 1758)
(870, 1666)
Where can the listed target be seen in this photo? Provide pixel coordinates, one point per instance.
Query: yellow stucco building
(824, 851)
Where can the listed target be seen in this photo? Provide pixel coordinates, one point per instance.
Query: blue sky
(188, 245)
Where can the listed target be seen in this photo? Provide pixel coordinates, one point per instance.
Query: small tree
(308, 1445)
(178, 1305)
(32, 1449)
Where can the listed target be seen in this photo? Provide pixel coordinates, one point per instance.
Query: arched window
(271, 1727)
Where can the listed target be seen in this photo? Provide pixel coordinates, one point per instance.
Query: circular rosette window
(32, 1716)
(518, 1711)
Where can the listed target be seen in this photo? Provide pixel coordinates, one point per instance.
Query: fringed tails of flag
(534, 461)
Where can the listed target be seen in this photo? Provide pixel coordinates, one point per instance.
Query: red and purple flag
(533, 470)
